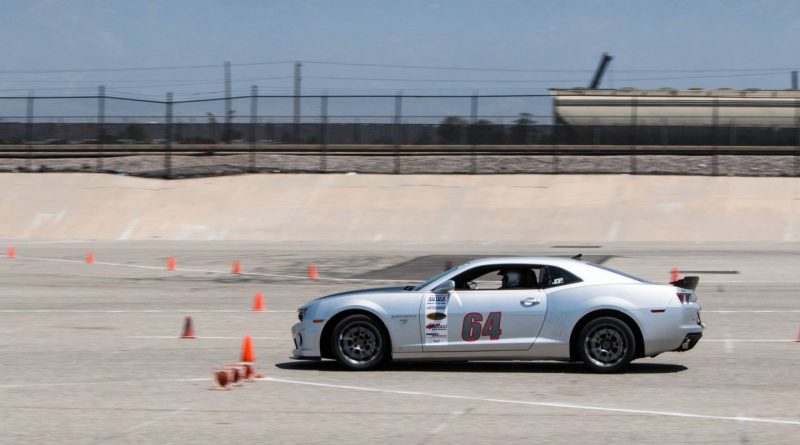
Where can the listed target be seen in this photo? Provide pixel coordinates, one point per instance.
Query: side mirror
(445, 287)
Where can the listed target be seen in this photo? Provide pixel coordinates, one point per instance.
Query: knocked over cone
(188, 329)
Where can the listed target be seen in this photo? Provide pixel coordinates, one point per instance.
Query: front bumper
(306, 340)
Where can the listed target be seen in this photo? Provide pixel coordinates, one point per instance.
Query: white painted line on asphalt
(768, 311)
(258, 274)
(754, 282)
(57, 242)
(139, 311)
(174, 337)
(102, 263)
(749, 340)
(113, 382)
(728, 346)
(532, 403)
(569, 406)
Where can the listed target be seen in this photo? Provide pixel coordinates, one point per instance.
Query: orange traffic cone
(247, 350)
(313, 273)
(90, 257)
(172, 264)
(249, 372)
(221, 377)
(258, 303)
(237, 267)
(675, 274)
(188, 329)
(12, 252)
(237, 374)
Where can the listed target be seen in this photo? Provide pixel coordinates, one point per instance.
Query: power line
(390, 65)
(153, 68)
(385, 79)
(716, 76)
(560, 70)
(396, 79)
(147, 84)
(446, 68)
(179, 81)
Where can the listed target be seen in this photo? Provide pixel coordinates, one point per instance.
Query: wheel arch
(327, 330)
(574, 353)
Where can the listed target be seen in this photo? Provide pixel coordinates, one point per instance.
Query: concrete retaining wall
(406, 209)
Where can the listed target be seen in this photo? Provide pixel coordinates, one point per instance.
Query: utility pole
(228, 108)
(168, 138)
(297, 92)
(253, 124)
(101, 121)
(794, 80)
(29, 132)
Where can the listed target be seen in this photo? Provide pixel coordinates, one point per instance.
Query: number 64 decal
(473, 330)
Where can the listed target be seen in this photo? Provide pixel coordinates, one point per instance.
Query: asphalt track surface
(90, 354)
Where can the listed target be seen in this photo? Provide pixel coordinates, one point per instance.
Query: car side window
(555, 276)
(508, 277)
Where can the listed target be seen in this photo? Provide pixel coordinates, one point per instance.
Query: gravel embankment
(198, 166)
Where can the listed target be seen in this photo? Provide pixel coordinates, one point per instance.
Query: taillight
(683, 297)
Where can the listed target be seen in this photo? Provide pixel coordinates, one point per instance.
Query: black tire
(606, 345)
(359, 342)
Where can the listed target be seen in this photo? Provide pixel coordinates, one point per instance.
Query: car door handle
(528, 302)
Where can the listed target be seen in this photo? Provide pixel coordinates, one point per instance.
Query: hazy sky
(538, 37)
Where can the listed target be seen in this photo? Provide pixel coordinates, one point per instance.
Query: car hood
(375, 290)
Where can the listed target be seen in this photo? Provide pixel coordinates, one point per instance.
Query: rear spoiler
(686, 283)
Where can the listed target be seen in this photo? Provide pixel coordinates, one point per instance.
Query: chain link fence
(368, 134)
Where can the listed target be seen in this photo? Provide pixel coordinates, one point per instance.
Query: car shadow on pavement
(498, 367)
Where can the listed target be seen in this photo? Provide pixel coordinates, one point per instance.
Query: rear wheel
(607, 344)
(358, 342)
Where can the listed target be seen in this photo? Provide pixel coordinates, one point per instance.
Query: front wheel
(607, 345)
(358, 342)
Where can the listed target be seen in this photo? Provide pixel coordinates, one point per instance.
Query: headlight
(301, 313)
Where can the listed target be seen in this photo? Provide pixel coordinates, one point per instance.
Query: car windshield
(437, 277)
(626, 275)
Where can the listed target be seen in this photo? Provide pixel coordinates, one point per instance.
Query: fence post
(797, 137)
(634, 131)
(168, 139)
(29, 132)
(473, 159)
(101, 119)
(323, 134)
(297, 103)
(398, 113)
(253, 123)
(714, 135)
(554, 139)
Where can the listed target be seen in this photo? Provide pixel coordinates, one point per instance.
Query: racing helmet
(511, 278)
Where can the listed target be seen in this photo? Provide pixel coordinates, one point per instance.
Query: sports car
(515, 308)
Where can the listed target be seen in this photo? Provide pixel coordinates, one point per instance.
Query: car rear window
(555, 276)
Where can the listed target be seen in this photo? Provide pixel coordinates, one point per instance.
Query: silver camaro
(516, 308)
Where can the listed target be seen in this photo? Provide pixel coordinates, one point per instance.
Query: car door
(482, 320)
